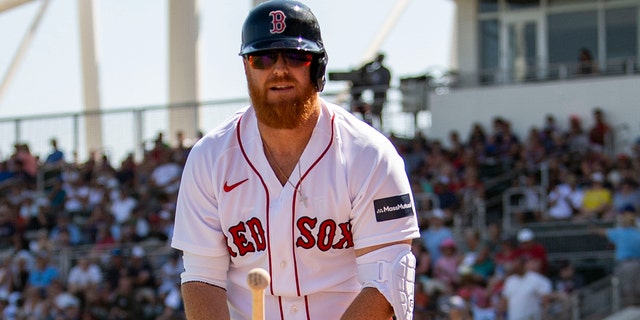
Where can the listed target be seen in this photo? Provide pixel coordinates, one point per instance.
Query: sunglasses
(266, 60)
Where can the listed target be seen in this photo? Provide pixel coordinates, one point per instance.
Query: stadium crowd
(114, 211)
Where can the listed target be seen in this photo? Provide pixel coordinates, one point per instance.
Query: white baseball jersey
(231, 203)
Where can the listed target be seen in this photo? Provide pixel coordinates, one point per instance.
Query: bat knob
(258, 279)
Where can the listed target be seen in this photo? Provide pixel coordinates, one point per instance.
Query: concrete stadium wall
(526, 105)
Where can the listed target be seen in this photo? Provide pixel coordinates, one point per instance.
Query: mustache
(280, 79)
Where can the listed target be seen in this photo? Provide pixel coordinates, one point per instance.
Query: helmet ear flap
(318, 70)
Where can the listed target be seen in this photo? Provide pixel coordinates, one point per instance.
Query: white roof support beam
(10, 4)
(24, 45)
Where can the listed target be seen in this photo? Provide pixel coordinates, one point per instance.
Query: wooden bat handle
(258, 279)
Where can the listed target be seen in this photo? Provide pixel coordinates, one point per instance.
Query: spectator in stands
(83, 277)
(44, 273)
(585, 62)
(627, 194)
(504, 256)
(600, 131)
(41, 242)
(415, 156)
(32, 213)
(456, 308)
(140, 270)
(182, 148)
(447, 198)
(122, 300)
(530, 249)
(140, 223)
(97, 304)
(577, 139)
(567, 281)
(564, 199)
(65, 227)
(55, 159)
(171, 270)
(24, 164)
(160, 148)
(126, 174)
(5, 276)
(484, 266)
(526, 291)
(76, 194)
(534, 151)
(5, 174)
(477, 136)
(446, 267)
(626, 239)
(530, 204)
(596, 200)
(423, 260)
(122, 206)
(474, 291)
(35, 305)
(173, 308)
(435, 233)
(504, 139)
(114, 269)
(472, 245)
(8, 227)
(165, 177)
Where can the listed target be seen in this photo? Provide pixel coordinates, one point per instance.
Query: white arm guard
(211, 270)
(391, 270)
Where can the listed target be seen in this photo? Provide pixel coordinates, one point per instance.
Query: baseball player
(296, 186)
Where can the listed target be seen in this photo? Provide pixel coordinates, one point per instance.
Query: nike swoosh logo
(228, 188)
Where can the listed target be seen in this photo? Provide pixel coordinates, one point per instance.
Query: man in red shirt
(530, 249)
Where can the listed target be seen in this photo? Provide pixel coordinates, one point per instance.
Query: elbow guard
(392, 271)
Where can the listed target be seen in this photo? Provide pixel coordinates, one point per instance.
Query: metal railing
(132, 129)
(510, 208)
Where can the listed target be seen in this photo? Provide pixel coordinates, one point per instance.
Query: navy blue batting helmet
(285, 24)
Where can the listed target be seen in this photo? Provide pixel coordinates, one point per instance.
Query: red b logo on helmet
(277, 21)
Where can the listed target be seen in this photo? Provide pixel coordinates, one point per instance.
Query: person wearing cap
(530, 249)
(446, 268)
(626, 239)
(526, 292)
(298, 187)
(435, 233)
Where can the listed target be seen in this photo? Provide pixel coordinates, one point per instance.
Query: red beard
(285, 113)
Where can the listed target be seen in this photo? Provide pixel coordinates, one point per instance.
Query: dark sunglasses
(266, 59)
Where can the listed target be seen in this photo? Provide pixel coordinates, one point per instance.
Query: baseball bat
(257, 279)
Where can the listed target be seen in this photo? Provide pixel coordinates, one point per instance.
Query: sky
(131, 43)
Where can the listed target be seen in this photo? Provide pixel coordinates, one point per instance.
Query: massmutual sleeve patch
(395, 207)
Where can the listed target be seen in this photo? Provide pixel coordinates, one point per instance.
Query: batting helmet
(285, 24)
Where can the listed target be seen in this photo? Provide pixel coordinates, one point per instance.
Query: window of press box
(522, 4)
(568, 2)
(569, 32)
(488, 6)
(621, 33)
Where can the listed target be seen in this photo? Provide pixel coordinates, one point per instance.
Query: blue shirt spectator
(627, 242)
(433, 235)
(43, 274)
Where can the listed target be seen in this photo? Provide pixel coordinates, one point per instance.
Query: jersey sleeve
(382, 207)
(197, 224)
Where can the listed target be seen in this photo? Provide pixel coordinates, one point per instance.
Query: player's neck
(287, 142)
(284, 147)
